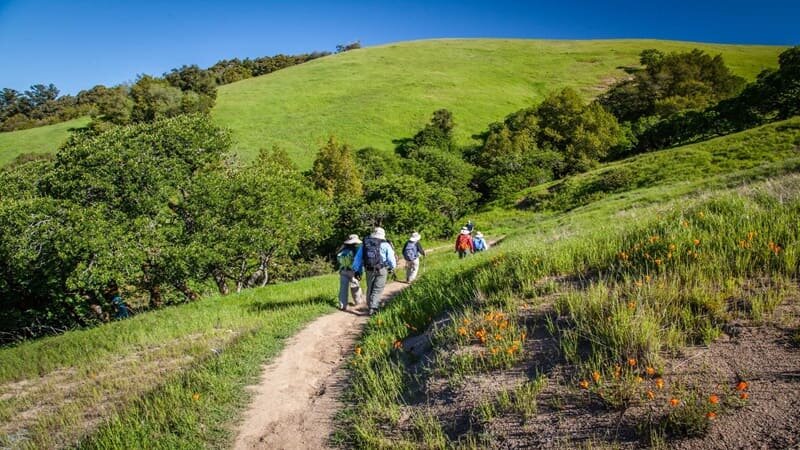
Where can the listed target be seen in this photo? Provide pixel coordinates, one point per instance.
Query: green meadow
(370, 96)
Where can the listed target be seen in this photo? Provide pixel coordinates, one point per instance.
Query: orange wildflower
(522, 336)
(196, 396)
(660, 383)
(696, 242)
(741, 386)
(632, 362)
(711, 415)
(651, 395)
(462, 331)
(672, 247)
(650, 371)
(631, 305)
(674, 402)
(744, 396)
(358, 350)
(596, 376)
(617, 370)
(657, 261)
(584, 384)
(713, 399)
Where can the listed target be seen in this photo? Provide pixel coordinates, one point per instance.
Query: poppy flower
(584, 384)
(632, 362)
(674, 402)
(651, 395)
(742, 385)
(711, 415)
(713, 399)
(650, 371)
(596, 376)
(744, 396)
(660, 383)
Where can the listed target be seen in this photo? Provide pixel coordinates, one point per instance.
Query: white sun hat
(414, 237)
(352, 239)
(378, 233)
(479, 234)
(464, 230)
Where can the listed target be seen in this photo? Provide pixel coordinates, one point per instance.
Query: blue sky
(78, 44)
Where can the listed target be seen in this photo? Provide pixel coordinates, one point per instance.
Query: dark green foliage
(559, 137)
(334, 171)
(671, 83)
(437, 133)
(152, 209)
(775, 95)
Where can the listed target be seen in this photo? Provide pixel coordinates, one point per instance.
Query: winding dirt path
(294, 403)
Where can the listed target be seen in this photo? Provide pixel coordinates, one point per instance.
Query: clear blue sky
(78, 44)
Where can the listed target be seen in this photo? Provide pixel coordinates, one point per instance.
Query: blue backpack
(410, 251)
(373, 260)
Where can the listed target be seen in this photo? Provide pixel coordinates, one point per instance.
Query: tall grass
(642, 290)
(172, 378)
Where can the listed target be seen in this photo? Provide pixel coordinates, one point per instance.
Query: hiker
(479, 243)
(349, 279)
(464, 245)
(122, 309)
(469, 226)
(376, 258)
(412, 251)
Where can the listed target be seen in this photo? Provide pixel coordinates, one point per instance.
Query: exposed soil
(294, 404)
(766, 355)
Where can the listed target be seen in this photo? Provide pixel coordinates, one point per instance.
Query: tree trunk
(222, 284)
(186, 290)
(156, 301)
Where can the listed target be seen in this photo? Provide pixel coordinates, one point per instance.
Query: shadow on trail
(274, 305)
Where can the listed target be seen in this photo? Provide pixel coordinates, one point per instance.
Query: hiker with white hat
(349, 279)
(376, 258)
(464, 245)
(479, 243)
(412, 251)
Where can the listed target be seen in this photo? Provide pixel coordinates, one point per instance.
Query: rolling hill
(368, 97)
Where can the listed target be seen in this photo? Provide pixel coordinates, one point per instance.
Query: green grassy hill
(44, 139)
(193, 361)
(370, 96)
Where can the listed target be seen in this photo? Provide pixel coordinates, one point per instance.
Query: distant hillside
(370, 96)
(44, 139)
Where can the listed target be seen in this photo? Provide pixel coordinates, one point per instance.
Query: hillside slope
(44, 139)
(370, 96)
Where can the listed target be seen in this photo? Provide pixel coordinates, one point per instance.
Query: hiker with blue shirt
(376, 258)
(479, 243)
(349, 279)
(412, 251)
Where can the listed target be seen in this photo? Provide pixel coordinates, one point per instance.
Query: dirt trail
(294, 403)
(297, 397)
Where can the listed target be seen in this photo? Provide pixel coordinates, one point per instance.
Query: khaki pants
(412, 269)
(376, 281)
(348, 284)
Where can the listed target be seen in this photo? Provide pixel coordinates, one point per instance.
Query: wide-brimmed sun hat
(479, 234)
(378, 233)
(352, 239)
(414, 237)
(464, 230)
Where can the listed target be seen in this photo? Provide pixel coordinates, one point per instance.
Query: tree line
(182, 90)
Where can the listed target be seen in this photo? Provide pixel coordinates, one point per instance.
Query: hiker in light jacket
(349, 279)
(464, 245)
(376, 258)
(412, 251)
(479, 243)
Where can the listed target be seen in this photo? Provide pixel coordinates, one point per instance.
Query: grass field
(44, 139)
(576, 329)
(370, 96)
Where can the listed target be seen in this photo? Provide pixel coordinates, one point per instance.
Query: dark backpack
(410, 251)
(372, 253)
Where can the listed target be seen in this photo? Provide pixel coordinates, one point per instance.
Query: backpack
(479, 244)
(345, 258)
(373, 260)
(462, 244)
(410, 252)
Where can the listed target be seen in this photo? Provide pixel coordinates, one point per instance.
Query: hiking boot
(373, 311)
